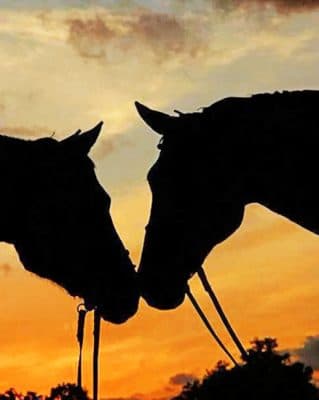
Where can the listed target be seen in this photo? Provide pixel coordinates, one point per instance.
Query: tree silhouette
(64, 391)
(264, 374)
(68, 391)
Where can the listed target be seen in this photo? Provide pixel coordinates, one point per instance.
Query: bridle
(82, 311)
(209, 290)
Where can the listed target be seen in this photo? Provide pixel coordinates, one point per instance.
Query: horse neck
(271, 144)
(281, 169)
(228, 168)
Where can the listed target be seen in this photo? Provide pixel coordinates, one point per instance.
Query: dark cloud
(281, 6)
(5, 269)
(90, 37)
(164, 34)
(113, 34)
(181, 379)
(309, 352)
(161, 34)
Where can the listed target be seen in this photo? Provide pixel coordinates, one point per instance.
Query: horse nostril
(118, 315)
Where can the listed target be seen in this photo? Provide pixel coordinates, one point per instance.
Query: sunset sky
(69, 64)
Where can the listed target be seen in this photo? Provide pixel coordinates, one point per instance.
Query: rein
(82, 311)
(208, 288)
(208, 325)
(80, 336)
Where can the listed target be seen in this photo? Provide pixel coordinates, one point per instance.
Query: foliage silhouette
(212, 163)
(68, 391)
(56, 214)
(64, 391)
(265, 374)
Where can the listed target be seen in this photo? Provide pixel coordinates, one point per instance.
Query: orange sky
(65, 67)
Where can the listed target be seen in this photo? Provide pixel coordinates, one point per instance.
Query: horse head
(196, 203)
(56, 214)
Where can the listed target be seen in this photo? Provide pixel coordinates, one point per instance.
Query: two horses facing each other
(213, 163)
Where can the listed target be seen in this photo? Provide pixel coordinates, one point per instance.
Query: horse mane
(233, 110)
(284, 99)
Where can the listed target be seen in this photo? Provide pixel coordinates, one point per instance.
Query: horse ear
(87, 139)
(72, 137)
(82, 142)
(158, 121)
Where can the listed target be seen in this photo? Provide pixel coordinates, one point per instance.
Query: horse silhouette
(239, 150)
(56, 214)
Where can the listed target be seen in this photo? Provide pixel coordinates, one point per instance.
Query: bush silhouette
(64, 391)
(264, 374)
(68, 391)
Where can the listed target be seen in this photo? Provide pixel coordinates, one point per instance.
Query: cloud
(164, 34)
(90, 37)
(174, 35)
(35, 131)
(181, 379)
(281, 6)
(5, 269)
(105, 147)
(309, 352)
(106, 36)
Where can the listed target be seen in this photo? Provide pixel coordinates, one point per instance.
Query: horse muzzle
(161, 293)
